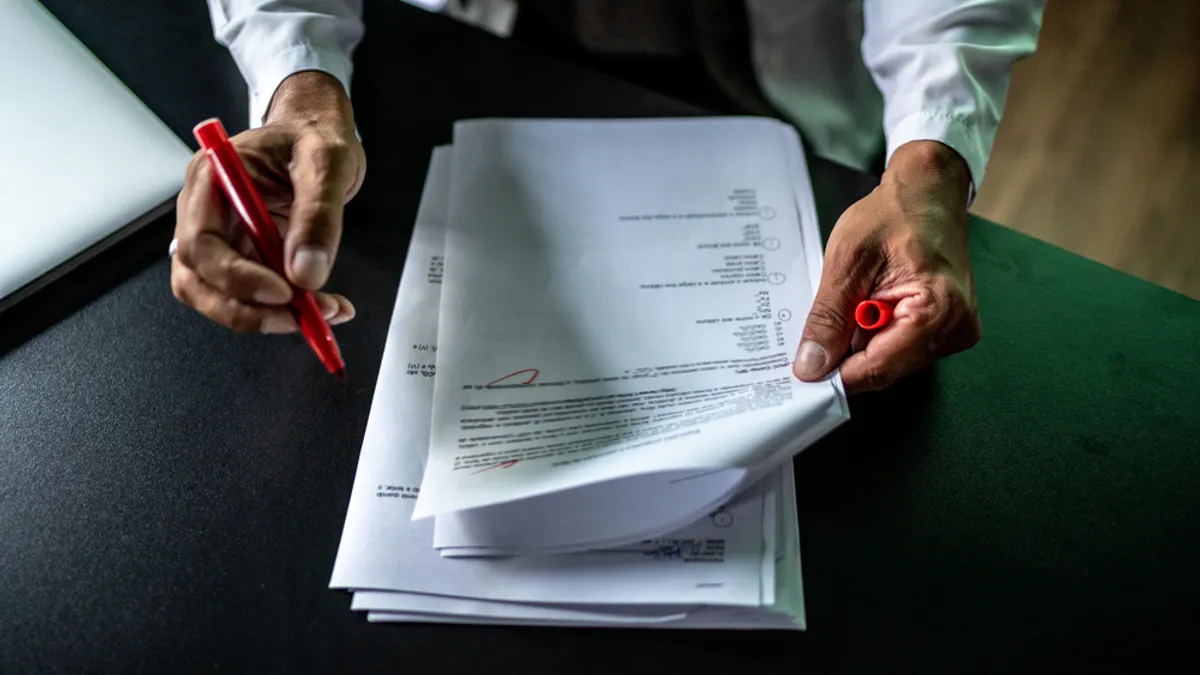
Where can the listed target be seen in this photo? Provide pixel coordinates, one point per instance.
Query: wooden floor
(1099, 148)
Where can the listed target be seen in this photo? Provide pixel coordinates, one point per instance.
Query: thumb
(321, 174)
(830, 324)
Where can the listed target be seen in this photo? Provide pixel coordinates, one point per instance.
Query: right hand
(307, 163)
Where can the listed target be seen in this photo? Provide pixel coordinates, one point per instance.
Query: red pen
(248, 203)
(873, 314)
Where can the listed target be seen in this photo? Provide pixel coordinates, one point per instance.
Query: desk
(172, 495)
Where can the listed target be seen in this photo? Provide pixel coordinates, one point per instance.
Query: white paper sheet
(703, 619)
(787, 613)
(717, 560)
(735, 568)
(469, 609)
(655, 278)
(397, 606)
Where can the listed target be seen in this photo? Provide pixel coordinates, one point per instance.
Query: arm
(301, 150)
(943, 67)
(272, 39)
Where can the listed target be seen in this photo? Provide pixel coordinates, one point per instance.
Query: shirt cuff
(288, 62)
(965, 138)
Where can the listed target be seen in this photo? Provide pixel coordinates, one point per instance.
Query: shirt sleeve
(273, 39)
(944, 66)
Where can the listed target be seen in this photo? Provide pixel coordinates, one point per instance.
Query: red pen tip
(340, 374)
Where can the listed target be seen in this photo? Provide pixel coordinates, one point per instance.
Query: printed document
(724, 558)
(620, 306)
(585, 413)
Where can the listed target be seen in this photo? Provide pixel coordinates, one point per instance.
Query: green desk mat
(1045, 483)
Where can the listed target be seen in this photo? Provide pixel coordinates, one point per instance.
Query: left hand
(906, 244)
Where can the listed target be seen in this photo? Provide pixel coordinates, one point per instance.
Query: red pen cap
(872, 314)
(210, 132)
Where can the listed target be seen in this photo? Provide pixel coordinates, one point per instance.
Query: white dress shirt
(856, 77)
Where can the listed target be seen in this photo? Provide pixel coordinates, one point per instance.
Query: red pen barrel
(316, 332)
(260, 227)
(240, 191)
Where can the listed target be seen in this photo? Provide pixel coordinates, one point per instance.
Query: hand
(307, 163)
(905, 243)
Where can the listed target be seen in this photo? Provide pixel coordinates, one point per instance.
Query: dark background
(172, 495)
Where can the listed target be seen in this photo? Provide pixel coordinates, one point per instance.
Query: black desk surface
(171, 495)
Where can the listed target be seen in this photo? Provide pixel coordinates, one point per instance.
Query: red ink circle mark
(534, 372)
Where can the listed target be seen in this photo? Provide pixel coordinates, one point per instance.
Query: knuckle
(877, 378)
(950, 286)
(944, 299)
(911, 247)
(849, 254)
(244, 320)
(961, 305)
(316, 221)
(250, 138)
(306, 211)
(226, 269)
(855, 256)
(196, 164)
(312, 214)
(185, 253)
(824, 318)
(331, 152)
(943, 295)
(179, 288)
(960, 329)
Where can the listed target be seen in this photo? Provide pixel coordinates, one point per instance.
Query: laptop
(83, 162)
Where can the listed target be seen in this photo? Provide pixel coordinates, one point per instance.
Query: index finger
(200, 211)
(892, 353)
(203, 227)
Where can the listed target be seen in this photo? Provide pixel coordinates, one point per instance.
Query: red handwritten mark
(501, 465)
(535, 372)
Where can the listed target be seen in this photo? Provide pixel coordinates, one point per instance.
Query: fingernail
(311, 266)
(278, 324)
(341, 319)
(272, 295)
(810, 359)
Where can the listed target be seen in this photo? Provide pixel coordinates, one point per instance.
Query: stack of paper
(610, 308)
